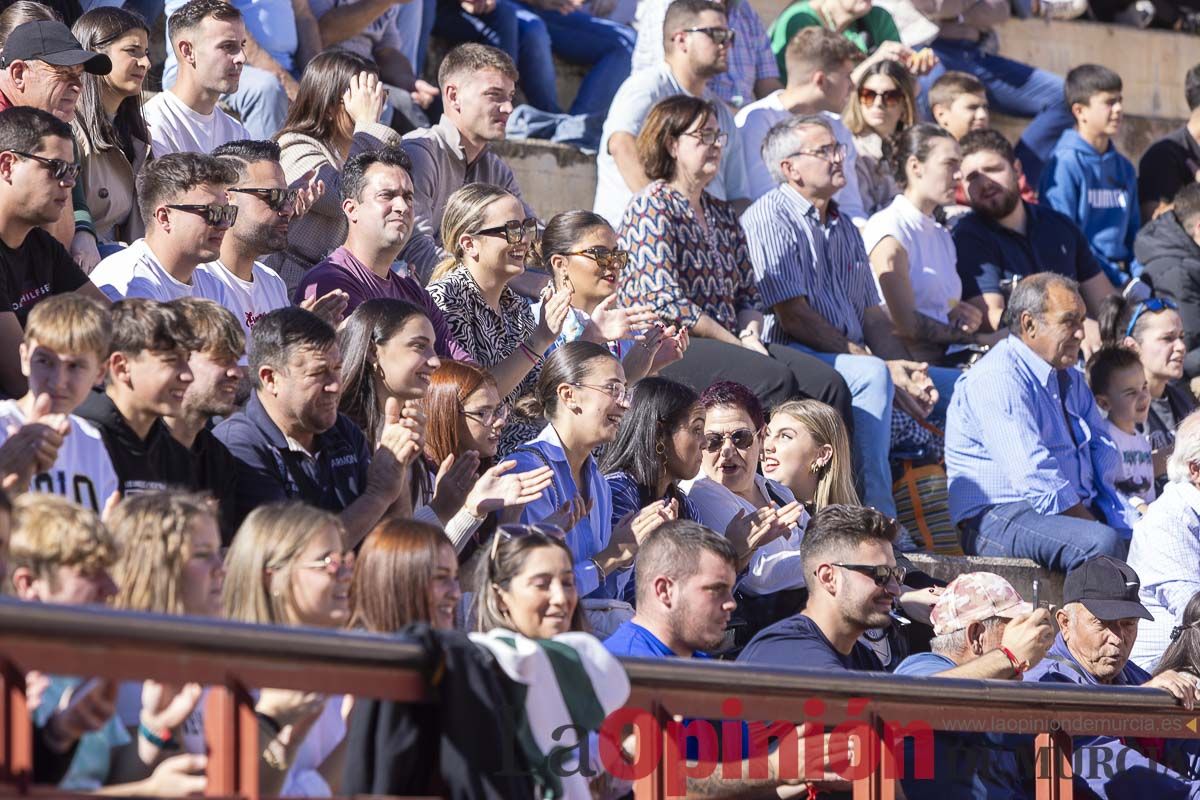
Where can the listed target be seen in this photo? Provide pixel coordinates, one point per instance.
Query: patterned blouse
(679, 267)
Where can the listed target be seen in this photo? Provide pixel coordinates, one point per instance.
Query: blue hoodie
(1099, 193)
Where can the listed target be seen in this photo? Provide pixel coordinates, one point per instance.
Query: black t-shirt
(39, 268)
(1164, 169)
(797, 642)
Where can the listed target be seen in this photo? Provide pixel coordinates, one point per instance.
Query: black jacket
(1172, 261)
(461, 746)
(157, 462)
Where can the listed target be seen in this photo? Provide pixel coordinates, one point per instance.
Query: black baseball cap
(52, 42)
(1106, 587)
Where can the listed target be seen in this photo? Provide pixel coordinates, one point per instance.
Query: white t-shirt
(135, 272)
(1137, 463)
(774, 566)
(249, 300)
(932, 259)
(83, 472)
(754, 120)
(175, 128)
(304, 778)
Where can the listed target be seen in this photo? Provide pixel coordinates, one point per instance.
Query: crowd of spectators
(285, 343)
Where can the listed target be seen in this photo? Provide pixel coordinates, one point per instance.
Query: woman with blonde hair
(805, 448)
(488, 236)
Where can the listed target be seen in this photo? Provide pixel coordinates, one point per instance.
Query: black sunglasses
(718, 35)
(276, 199)
(216, 215)
(882, 574)
(603, 257)
(59, 170)
(514, 231)
(742, 439)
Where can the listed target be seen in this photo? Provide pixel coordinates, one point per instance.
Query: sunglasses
(882, 574)
(514, 231)
(216, 215)
(276, 199)
(709, 137)
(333, 563)
(604, 257)
(59, 170)
(891, 98)
(719, 36)
(742, 439)
(510, 532)
(1154, 304)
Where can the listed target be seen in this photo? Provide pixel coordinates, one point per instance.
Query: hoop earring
(814, 468)
(660, 449)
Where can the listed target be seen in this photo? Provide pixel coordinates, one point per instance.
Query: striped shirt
(794, 254)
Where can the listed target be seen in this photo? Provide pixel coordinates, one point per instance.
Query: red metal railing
(231, 658)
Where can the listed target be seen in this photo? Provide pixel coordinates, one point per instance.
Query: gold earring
(660, 449)
(814, 467)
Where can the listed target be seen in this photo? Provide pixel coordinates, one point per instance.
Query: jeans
(1013, 88)
(410, 24)
(871, 391)
(943, 379)
(525, 40)
(260, 101)
(1057, 542)
(579, 38)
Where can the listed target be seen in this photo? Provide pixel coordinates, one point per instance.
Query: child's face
(66, 377)
(968, 112)
(1102, 114)
(1128, 397)
(159, 380)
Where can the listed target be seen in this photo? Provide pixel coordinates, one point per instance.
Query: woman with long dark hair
(110, 131)
(882, 105)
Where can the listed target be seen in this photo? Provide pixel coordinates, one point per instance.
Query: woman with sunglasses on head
(286, 566)
(881, 106)
(914, 259)
(110, 131)
(487, 236)
(335, 115)
(582, 394)
(690, 262)
(1154, 330)
(805, 449)
(528, 584)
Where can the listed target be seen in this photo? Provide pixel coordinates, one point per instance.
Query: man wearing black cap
(42, 67)
(1098, 625)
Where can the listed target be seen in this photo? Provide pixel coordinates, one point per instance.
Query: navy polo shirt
(269, 470)
(989, 253)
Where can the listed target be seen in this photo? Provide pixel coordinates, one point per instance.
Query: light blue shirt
(1007, 440)
(592, 533)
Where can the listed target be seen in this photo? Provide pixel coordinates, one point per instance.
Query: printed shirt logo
(1107, 198)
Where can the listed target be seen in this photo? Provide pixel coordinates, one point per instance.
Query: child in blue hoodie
(1087, 179)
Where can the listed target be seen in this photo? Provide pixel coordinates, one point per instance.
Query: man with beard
(183, 201)
(377, 198)
(216, 377)
(697, 40)
(1029, 474)
(266, 206)
(1005, 239)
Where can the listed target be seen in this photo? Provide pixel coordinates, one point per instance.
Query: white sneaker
(1062, 9)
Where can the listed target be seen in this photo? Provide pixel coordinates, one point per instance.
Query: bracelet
(532, 356)
(1019, 667)
(162, 739)
(599, 569)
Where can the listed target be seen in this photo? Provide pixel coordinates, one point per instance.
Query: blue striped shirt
(1007, 439)
(795, 255)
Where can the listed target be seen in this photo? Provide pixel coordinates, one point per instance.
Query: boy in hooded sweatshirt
(1087, 179)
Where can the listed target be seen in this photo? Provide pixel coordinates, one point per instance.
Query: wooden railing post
(654, 785)
(1052, 766)
(16, 730)
(880, 782)
(231, 733)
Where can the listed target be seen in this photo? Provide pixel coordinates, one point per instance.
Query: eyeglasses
(216, 215)
(719, 36)
(276, 199)
(882, 574)
(891, 98)
(709, 137)
(509, 532)
(489, 416)
(514, 231)
(830, 152)
(333, 563)
(617, 391)
(1154, 304)
(741, 438)
(604, 257)
(59, 170)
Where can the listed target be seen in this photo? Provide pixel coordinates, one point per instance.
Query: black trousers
(787, 375)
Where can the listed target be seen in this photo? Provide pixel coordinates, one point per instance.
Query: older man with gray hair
(1031, 474)
(1165, 549)
(815, 280)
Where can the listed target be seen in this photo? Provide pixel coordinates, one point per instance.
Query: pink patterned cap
(974, 597)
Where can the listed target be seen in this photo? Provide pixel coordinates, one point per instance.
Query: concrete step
(1020, 572)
